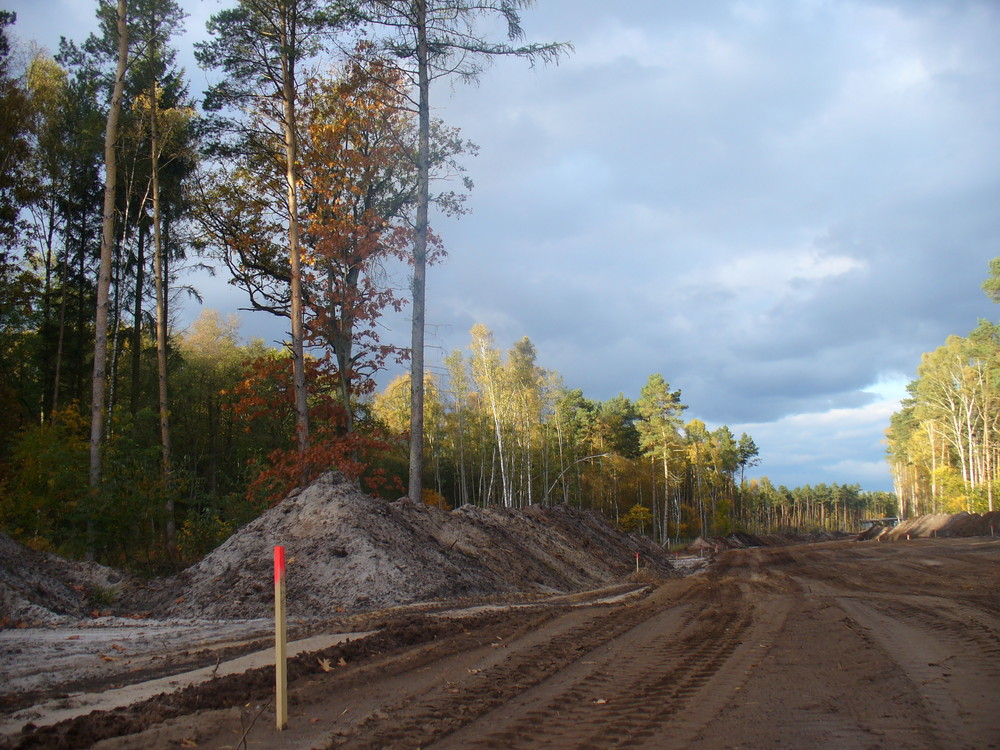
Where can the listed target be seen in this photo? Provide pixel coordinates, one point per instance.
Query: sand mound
(944, 524)
(348, 551)
(345, 551)
(743, 540)
(38, 588)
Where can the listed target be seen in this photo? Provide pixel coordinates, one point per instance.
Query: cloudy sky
(778, 205)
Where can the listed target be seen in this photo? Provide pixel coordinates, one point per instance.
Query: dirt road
(840, 645)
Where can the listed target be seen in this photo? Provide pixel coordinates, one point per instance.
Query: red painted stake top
(279, 563)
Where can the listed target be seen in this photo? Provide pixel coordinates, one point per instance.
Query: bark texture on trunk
(419, 262)
(107, 248)
(294, 254)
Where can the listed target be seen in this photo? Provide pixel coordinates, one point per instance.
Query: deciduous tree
(261, 46)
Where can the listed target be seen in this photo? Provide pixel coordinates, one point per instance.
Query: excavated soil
(940, 525)
(513, 629)
(349, 551)
(743, 540)
(38, 588)
(831, 645)
(346, 552)
(354, 564)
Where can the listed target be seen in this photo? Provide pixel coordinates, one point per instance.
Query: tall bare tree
(107, 248)
(156, 21)
(435, 39)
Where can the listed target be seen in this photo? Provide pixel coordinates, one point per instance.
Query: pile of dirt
(874, 531)
(940, 525)
(347, 551)
(38, 588)
(743, 540)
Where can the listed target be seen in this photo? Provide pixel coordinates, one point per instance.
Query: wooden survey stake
(280, 641)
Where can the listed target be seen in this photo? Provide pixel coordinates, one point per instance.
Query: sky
(778, 205)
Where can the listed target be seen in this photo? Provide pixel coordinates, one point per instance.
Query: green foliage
(992, 285)
(203, 531)
(16, 186)
(102, 596)
(944, 445)
(660, 411)
(637, 518)
(47, 493)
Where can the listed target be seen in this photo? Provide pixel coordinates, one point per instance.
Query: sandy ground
(834, 645)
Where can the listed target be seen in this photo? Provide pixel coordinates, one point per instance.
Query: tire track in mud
(933, 641)
(422, 719)
(613, 682)
(773, 648)
(641, 693)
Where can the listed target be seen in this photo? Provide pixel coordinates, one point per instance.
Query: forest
(944, 444)
(308, 171)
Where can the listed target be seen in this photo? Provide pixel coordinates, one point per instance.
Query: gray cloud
(778, 206)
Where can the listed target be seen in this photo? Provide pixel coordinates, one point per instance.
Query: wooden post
(280, 641)
(636, 562)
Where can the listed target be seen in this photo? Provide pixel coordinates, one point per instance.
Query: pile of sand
(940, 525)
(348, 551)
(743, 540)
(345, 551)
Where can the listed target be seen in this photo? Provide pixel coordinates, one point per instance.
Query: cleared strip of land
(845, 644)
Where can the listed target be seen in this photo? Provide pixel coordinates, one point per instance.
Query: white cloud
(869, 474)
(840, 445)
(771, 272)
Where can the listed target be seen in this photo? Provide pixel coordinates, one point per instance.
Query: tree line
(944, 444)
(308, 169)
(502, 430)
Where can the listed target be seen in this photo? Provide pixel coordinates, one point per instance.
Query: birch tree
(489, 375)
(944, 446)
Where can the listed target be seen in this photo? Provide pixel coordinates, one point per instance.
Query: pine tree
(261, 46)
(434, 39)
